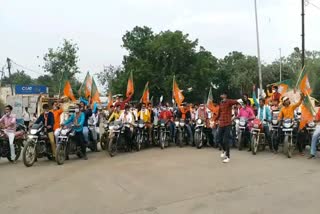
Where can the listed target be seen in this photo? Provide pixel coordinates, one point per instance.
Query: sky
(29, 28)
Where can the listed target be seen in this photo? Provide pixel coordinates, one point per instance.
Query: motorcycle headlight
(287, 125)
(141, 125)
(311, 124)
(177, 123)
(181, 123)
(275, 122)
(64, 132)
(33, 131)
(106, 126)
(111, 127)
(256, 126)
(162, 124)
(199, 121)
(242, 123)
(116, 127)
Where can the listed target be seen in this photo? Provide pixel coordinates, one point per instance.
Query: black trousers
(80, 140)
(223, 139)
(26, 123)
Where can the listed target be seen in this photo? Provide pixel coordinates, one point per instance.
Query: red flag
(67, 91)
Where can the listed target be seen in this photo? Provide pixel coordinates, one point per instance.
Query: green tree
(61, 65)
(18, 78)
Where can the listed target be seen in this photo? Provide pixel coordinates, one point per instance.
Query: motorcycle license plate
(287, 130)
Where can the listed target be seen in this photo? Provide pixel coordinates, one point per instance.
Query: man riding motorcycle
(127, 118)
(264, 113)
(315, 137)
(167, 116)
(47, 119)
(9, 122)
(88, 113)
(115, 114)
(145, 115)
(287, 112)
(184, 113)
(78, 119)
(247, 113)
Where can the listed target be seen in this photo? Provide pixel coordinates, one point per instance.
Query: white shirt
(26, 116)
(126, 118)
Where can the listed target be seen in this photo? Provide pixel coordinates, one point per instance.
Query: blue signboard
(31, 89)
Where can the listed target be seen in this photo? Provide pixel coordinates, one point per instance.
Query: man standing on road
(315, 137)
(225, 122)
(26, 117)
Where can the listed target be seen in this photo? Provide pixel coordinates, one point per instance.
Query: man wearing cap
(287, 112)
(225, 122)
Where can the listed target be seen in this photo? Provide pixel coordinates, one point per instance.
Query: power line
(26, 68)
(312, 4)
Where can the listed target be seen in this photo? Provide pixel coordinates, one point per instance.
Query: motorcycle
(141, 134)
(93, 143)
(117, 138)
(181, 133)
(156, 133)
(288, 127)
(243, 122)
(104, 140)
(258, 138)
(199, 135)
(164, 134)
(20, 136)
(274, 131)
(310, 128)
(66, 145)
(37, 146)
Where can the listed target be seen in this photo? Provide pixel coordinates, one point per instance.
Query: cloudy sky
(29, 28)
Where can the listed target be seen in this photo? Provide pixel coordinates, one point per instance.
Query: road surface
(175, 180)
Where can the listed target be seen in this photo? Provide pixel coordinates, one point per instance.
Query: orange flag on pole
(130, 87)
(67, 91)
(305, 85)
(145, 95)
(177, 94)
(110, 100)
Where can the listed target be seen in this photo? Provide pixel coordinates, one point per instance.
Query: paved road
(160, 182)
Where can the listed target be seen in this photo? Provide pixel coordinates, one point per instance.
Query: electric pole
(258, 46)
(302, 35)
(9, 70)
(280, 65)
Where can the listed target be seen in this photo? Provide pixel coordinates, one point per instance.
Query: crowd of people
(218, 120)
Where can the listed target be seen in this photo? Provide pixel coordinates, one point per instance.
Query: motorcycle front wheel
(287, 146)
(112, 147)
(254, 144)
(60, 154)
(29, 154)
(198, 140)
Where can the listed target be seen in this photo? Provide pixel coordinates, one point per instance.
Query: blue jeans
(315, 140)
(86, 134)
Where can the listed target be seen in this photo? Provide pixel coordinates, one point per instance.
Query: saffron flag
(110, 100)
(145, 94)
(305, 85)
(210, 104)
(85, 89)
(95, 96)
(67, 91)
(307, 112)
(177, 94)
(130, 86)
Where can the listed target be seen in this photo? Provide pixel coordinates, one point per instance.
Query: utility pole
(302, 35)
(258, 46)
(9, 70)
(280, 65)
